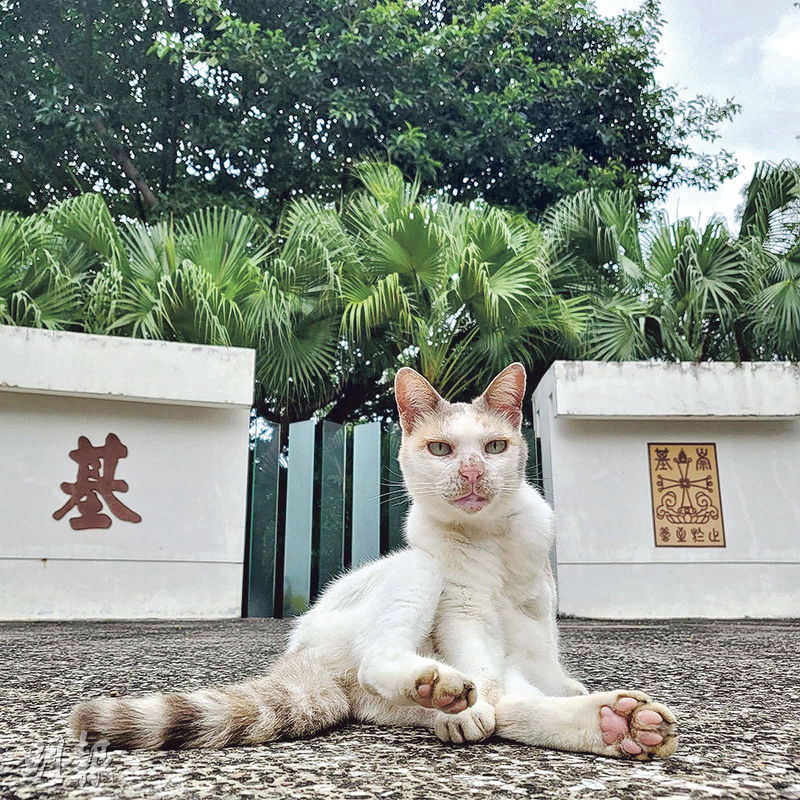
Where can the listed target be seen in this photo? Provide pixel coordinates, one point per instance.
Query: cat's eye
(495, 446)
(439, 448)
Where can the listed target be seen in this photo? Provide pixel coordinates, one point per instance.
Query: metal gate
(327, 497)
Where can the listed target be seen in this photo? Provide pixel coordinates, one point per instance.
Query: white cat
(456, 633)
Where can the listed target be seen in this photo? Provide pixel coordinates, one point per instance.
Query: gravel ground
(733, 685)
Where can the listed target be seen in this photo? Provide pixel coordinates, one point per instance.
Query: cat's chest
(501, 571)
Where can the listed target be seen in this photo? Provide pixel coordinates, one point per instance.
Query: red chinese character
(96, 467)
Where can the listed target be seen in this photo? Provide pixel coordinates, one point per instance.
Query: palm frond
(368, 305)
(35, 290)
(771, 211)
(86, 219)
(224, 242)
(617, 331)
(386, 184)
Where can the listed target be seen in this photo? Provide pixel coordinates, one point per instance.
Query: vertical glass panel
(366, 492)
(263, 518)
(534, 475)
(533, 472)
(332, 502)
(394, 499)
(299, 519)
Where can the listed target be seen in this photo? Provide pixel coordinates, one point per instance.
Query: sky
(745, 49)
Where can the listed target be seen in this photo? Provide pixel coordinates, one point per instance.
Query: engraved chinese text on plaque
(684, 488)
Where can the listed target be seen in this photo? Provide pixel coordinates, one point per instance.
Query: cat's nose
(471, 471)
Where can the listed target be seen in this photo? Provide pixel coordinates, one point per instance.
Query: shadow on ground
(733, 685)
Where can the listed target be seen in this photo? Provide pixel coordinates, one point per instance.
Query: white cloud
(740, 53)
(780, 60)
(723, 202)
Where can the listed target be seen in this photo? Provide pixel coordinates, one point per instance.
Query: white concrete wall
(83, 365)
(597, 476)
(186, 469)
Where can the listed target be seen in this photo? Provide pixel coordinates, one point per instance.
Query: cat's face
(462, 459)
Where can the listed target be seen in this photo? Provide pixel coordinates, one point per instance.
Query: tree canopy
(165, 106)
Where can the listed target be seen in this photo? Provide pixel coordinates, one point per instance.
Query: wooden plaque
(685, 493)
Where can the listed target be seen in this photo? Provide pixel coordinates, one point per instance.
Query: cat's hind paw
(444, 688)
(473, 725)
(636, 727)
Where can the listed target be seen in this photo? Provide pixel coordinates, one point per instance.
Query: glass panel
(263, 518)
(332, 502)
(533, 471)
(299, 519)
(394, 500)
(534, 475)
(366, 492)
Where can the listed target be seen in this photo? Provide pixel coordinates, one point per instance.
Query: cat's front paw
(444, 688)
(473, 725)
(632, 726)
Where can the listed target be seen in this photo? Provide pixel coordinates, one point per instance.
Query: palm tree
(44, 271)
(335, 299)
(770, 241)
(457, 291)
(675, 291)
(220, 277)
(217, 277)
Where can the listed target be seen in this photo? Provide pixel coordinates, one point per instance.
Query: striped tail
(298, 697)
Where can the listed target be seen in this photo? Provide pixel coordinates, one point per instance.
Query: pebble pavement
(735, 687)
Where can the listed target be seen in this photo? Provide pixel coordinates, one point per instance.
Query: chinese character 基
(96, 468)
(662, 454)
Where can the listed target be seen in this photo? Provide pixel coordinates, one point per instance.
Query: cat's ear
(415, 398)
(506, 392)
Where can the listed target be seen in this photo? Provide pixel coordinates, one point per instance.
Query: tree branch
(123, 158)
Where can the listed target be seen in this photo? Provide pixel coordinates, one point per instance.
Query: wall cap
(657, 389)
(39, 361)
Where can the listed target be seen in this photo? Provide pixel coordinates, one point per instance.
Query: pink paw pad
(626, 704)
(613, 726)
(444, 700)
(629, 746)
(648, 717)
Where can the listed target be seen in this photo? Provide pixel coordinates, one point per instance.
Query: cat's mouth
(470, 502)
